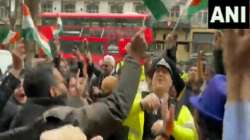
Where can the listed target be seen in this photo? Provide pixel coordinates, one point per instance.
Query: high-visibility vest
(135, 119)
(184, 76)
(120, 65)
(184, 126)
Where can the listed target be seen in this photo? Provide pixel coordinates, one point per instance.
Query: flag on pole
(59, 29)
(30, 32)
(196, 6)
(8, 36)
(159, 8)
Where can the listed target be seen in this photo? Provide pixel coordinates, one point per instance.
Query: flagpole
(144, 21)
(181, 14)
(102, 32)
(178, 21)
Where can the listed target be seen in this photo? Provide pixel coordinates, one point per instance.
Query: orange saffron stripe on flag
(26, 10)
(15, 38)
(195, 2)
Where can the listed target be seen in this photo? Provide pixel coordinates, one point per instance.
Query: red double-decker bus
(105, 33)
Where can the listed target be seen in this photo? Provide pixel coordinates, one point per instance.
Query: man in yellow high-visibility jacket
(163, 76)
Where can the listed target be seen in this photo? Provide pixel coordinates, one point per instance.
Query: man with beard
(44, 87)
(100, 118)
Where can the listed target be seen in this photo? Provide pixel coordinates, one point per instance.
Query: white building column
(104, 7)
(128, 7)
(80, 6)
(57, 6)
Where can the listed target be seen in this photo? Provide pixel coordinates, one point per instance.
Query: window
(200, 18)
(48, 21)
(92, 8)
(140, 8)
(71, 21)
(202, 41)
(96, 47)
(69, 7)
(175, 11)
(2, 12)
(205, 17)
(116, 8)
(47, 7)
(113, 49)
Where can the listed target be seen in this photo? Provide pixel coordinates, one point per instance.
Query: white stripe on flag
(28, 23)
(10, 35)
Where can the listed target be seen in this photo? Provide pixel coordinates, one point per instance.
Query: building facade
(192, 35)
(93, 6)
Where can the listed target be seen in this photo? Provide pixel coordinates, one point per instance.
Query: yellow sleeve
(135, 119)
(182, 133)
(184, 127)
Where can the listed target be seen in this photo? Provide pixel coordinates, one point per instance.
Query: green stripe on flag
(3, 33)
(194, 9)
(32, 34)
(158, 8)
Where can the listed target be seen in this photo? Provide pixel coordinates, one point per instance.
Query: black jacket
(9, 84)
(100, 118)
(34, 108)
(218, 61)
(31, 131)
(9, 112)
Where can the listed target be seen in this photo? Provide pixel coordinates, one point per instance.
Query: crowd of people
(140, 98)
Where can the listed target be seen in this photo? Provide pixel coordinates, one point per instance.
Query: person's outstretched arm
(237, 109)
(11, 82)
(218, 54)
(104, 117)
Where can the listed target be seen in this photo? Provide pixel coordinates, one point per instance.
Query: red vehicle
(105, 33)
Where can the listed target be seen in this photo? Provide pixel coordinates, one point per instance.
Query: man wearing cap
(168, 86)
(146, 108)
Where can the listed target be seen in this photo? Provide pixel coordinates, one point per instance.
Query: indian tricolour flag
(159, 8)
(30, 32)
(59, 28)
(8, 36)
(196, 6)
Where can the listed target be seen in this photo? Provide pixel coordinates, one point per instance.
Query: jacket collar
(48, 101)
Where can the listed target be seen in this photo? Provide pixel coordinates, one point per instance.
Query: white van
(5, 60)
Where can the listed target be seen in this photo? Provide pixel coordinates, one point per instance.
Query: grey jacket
(101, 118)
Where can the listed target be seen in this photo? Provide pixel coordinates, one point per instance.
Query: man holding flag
(30, 32)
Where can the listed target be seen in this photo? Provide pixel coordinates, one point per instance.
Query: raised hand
(137, 48)
(77, 53)
(89, 57)
(151, 103)
(157, 127)
(218, 40)
(237, 50)
(80, 84)
(18, 55)
(237, 63)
